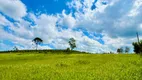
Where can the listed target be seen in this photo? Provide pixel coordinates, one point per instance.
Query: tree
(120, 50)
(137, 47)
(37, 41)
(127, 49)
(15, 48)
(72, 43)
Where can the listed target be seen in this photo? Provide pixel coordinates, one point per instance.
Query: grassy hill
(77, 66)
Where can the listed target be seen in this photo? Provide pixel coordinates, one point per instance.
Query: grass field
(33, 66)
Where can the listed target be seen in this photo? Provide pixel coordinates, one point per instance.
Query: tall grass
(70, 66)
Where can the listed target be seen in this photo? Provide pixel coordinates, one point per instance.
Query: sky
(96, 25)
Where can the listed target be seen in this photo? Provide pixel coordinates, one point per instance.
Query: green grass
(33, 66)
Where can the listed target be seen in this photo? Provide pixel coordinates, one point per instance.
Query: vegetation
(72, 43)
(70, 65)
(77, 66)
(37, 41)
(120, 50)
(137, 47)
(15, 48)
(68, 49)
(127, 49)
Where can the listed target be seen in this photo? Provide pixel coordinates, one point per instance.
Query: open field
(41, 66)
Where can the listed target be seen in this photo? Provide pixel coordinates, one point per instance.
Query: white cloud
(117, 21)
(32, 16)
(90, 45)
(45, 27)
(113, 20)
(76, 4)
(13, 8)
(17, 40)
(67, 20)
(136, 8)
(3, 21)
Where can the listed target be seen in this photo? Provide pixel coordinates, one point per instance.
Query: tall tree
(37, 41)
(137, 47)
(72, 43)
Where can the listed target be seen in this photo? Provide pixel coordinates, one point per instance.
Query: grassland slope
(52, 66)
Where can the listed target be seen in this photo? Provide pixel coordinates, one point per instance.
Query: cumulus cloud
(50, 33)
(116, 20)
(13, 8)
(67, 20)
(45, 27)
(3, 20)
(15, 39)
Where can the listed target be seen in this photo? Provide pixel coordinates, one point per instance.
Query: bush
(68, 49)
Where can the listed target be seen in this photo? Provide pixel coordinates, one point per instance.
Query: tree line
(122, 50)
(72, 42)
(137, 48)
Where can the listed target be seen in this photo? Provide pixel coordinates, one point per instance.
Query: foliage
(137, 47)
(31, 66)
(57, 51)
(120, 50)
(127, 49)
(68, 49)
(72, 43)
(37, 41)
(15, 48)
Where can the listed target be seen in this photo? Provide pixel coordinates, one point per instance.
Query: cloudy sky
(97, 25)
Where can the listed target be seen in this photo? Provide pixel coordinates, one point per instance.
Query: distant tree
(127, 49)
(37, 41)
(111, 52)
(120, 50)
(15, 48)
(137, 47)
(72, 43)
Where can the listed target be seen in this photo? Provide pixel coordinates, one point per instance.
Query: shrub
(68, 49)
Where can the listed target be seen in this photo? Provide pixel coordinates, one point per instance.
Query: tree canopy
(37, 41)
(72, 43)
(137, 47)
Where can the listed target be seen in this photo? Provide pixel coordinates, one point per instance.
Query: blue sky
(97, 25)
(46, 6)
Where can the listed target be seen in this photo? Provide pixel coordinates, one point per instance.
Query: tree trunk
(36, 47)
